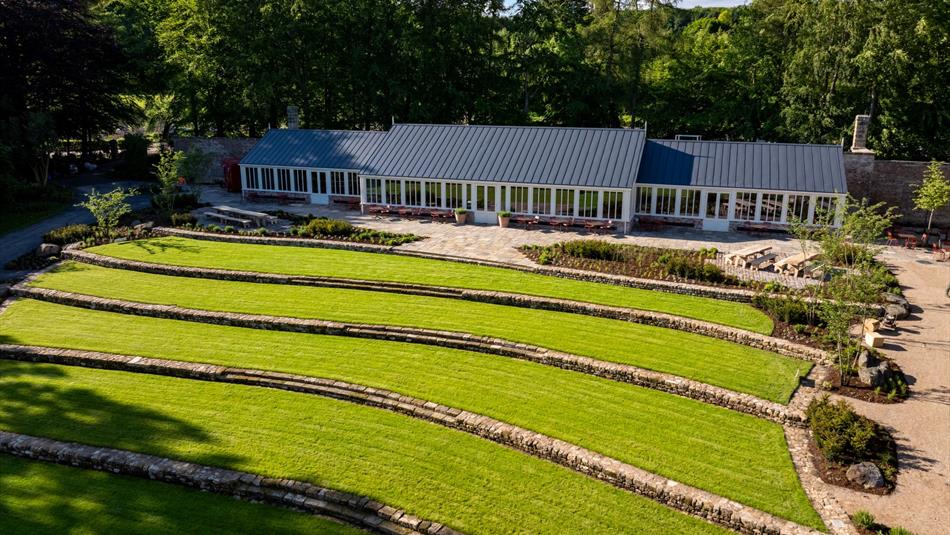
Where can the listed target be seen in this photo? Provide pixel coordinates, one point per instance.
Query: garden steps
(644, 317)
(685, 498)
(740, 402)
(353, 509)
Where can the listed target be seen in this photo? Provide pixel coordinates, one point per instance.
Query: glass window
(374, 191)
(689, 202)
(644, 200)
(268, 178)
(612, 205)
(745, 205)
(469, 199)
(283, 179)
(300, 180)
(587, 203)
(353, 181)
(665, 201)
(393, 192)
(519, 199)
(318, 182)
(502, 190)
(413, 193)
(253, 178)
(798, 207)
(541, 203)
(434, 194)
(337, 183)
(717, 205)
(825, 208)
(771, 207)
(564, 202)
(453, 195)
(485, 198)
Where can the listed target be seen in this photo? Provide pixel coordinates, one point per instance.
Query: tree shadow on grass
(167, 244)
(37, 399)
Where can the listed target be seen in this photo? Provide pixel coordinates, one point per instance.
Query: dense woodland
(778, 70)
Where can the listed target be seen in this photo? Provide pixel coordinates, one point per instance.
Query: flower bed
(321, 228)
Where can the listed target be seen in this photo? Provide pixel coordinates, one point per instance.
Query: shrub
(842, 435)
(897, 530)
(461, 211)
(789, 309)
(181, 219)
(135, 147)
(329, 227)
(592, 250)
(863, 519)
(504, 213)
(68, 234)
(546, 257)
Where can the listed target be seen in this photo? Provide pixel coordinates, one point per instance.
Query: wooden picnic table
(793, 264)
(258, 217)
(742, 256)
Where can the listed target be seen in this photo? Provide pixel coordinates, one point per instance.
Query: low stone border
(728, 294)
(351, 508)
(685, 498)
(831, 512)
(657, 319)
(672, 384)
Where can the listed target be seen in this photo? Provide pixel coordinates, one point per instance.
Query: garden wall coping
(646, 317)
(351, 508)
(685, 498)
(669, 383)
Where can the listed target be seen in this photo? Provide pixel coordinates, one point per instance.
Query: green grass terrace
(440, 474)
(397, 268)
(45, 498)
(709, 360)
(722, 451)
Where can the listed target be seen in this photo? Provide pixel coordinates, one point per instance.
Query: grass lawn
(706, 359)
(440, 474)
(731, 454)
(375, 266)
(41, 497)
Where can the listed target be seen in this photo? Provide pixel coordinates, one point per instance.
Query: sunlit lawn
(375, 266)
(706, 359)
(725, 452)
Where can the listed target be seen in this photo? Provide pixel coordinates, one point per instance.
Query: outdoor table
(910, 240)
(742, 256)
(258, 217)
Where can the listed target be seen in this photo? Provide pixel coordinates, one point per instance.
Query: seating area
(759, 258)
(237, 216)
(279, 197)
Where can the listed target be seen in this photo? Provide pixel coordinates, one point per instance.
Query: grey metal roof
(328, 149)
(593, 157)
(743, 165)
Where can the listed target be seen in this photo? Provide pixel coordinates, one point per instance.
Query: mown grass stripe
(708, 360)
(44, 498)
(734, 455)
(467, 483)
(393, 268)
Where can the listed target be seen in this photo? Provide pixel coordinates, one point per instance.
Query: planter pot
(503, 221)
(461, 219)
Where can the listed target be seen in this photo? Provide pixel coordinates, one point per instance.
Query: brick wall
(218, 147)
(892, 181)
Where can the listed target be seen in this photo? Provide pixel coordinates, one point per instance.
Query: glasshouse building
(552, 174)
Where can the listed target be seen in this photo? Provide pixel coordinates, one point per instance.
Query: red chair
(891, 240)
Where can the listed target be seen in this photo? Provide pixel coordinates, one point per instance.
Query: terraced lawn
(731, 454)
(706, 359)
(385, 267)
(41, 498)
(437, 473)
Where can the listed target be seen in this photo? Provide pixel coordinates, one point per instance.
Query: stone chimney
(859, 143)
(293, 117)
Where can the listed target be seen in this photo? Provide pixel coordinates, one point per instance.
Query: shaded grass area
(440, 474)
(725, 452)
(385, 267)
(14, 219)
(40, 497)
(705, 359)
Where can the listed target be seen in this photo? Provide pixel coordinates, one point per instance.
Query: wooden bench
(228, 219)
(761, 262)
(760, 228)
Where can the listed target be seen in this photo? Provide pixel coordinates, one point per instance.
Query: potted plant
(461, 216)
(503, 218)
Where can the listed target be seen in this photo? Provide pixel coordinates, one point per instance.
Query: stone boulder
(875, 376)
(48, 249)
(144, 226)
(898, 311)
(866, 359)
(896, 299)
(865, 474)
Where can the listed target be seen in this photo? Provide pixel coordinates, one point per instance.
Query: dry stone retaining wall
(672, 384)
(668, 492)
(357, 510)
(658, 319)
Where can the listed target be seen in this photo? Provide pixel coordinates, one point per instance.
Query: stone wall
(892, 181)
(219, 148)
(351, 508)
(688, 499)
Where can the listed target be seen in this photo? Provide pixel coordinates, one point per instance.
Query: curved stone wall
(351, 508)
(658, 319)
(688, 499)
(672, 384)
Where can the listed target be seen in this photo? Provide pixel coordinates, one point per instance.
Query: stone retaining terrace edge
(645, 317)
(672, 384)
(690, 500)
(353, 509)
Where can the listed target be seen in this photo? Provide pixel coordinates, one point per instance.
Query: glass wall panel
(771, 210)
(564, 202)
(689, 202)
(267, 181)
(541, 201)
(353, 181)
(413, 193)
(612, 205)
(374, 191)
(283, 179)
(519, 199)
(393, 192)
(798, 207)
(337, 183)
(453, 195)
(587, 203)
(644, 200)
(745, 205)
(434, 194)
(665, 201)
(300, 180)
